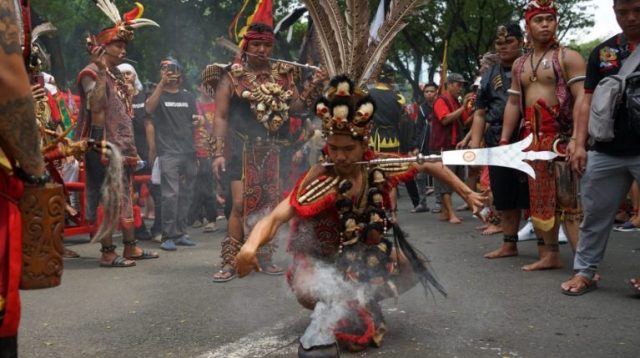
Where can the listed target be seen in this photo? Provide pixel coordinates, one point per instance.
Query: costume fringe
(417, 260)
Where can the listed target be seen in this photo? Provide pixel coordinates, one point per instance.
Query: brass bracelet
(218, 146)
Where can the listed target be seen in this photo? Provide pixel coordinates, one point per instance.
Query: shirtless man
(548, 80)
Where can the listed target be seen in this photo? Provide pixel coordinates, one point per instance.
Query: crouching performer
(343, 263)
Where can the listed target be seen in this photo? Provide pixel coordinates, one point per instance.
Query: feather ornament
(337, 23)
(358, 13)
(44, 29)
(394, 22)
(325, 36)
(109, 8)
(137, 23)
(228, 44)
(136, 13)
(343, 36)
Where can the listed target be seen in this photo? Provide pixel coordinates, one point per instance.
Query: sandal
(146, 255)
(581, 283)
(271, 269)
(70, 254)
(227, 273)
(119, 261)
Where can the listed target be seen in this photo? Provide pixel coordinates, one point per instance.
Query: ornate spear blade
(509, 156)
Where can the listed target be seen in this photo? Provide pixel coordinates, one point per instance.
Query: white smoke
(333, 294)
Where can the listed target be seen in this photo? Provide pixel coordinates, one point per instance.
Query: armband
(218, 146)
(513, 92)
(576, 79)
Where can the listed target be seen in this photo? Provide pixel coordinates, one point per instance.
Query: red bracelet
(503, 142)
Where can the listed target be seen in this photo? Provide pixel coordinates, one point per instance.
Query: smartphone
(171, 67)
(92, 44)
(37, 79)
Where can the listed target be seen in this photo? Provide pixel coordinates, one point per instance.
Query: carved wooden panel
(42, 211)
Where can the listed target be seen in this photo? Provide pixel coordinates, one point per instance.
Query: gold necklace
(534, 70)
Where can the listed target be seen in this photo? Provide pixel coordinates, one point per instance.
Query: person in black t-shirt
(609, 168)
(173, 111)
(421, 141)
(509, 187)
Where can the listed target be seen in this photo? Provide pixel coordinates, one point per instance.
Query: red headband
(116, 33)
(255, 35)
(537, 7)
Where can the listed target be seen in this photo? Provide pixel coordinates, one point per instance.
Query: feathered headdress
(535, 7)
(344, 35)
(263, 13)
(124, 26)
(345, 109)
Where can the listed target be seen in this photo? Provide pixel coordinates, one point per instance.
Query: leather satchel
(42, 209)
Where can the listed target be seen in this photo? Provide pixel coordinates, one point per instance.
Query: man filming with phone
(170, 133)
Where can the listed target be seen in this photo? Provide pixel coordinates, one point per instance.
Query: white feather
(109, 9)
(137, 23)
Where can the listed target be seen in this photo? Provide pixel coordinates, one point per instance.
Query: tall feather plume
(358, 13)
(325, 35)
(109, 8)
(337, 22)
(44, 29)
(395, 21)
(228, 44)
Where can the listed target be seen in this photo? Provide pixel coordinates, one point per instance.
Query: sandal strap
(118, 261)
(106, 249)
(230, 249)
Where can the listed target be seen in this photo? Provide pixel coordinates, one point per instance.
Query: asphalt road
(170, 308)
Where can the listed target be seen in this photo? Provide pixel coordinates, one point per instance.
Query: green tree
(469, 27)
(188, 30)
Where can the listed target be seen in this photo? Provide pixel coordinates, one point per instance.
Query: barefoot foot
(492, 229)
(506, 250)
(549, 261)
(454, 220)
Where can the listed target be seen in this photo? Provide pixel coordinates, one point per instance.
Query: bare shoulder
(571, 57)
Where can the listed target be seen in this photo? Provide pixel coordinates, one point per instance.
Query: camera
(171, 67)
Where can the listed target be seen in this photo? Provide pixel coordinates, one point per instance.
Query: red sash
(10, 252)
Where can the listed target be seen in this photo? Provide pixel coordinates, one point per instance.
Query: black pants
(412, 189)
(204, 193)
(9, 347)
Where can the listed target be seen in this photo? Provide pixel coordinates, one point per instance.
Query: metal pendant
(533, 78)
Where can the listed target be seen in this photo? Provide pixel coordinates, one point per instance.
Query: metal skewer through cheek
(311, 67)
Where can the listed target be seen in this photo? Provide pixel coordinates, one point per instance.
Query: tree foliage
(189, 29)
(469, 28)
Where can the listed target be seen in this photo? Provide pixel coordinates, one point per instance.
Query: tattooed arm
(95, 89)
(19, 135)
